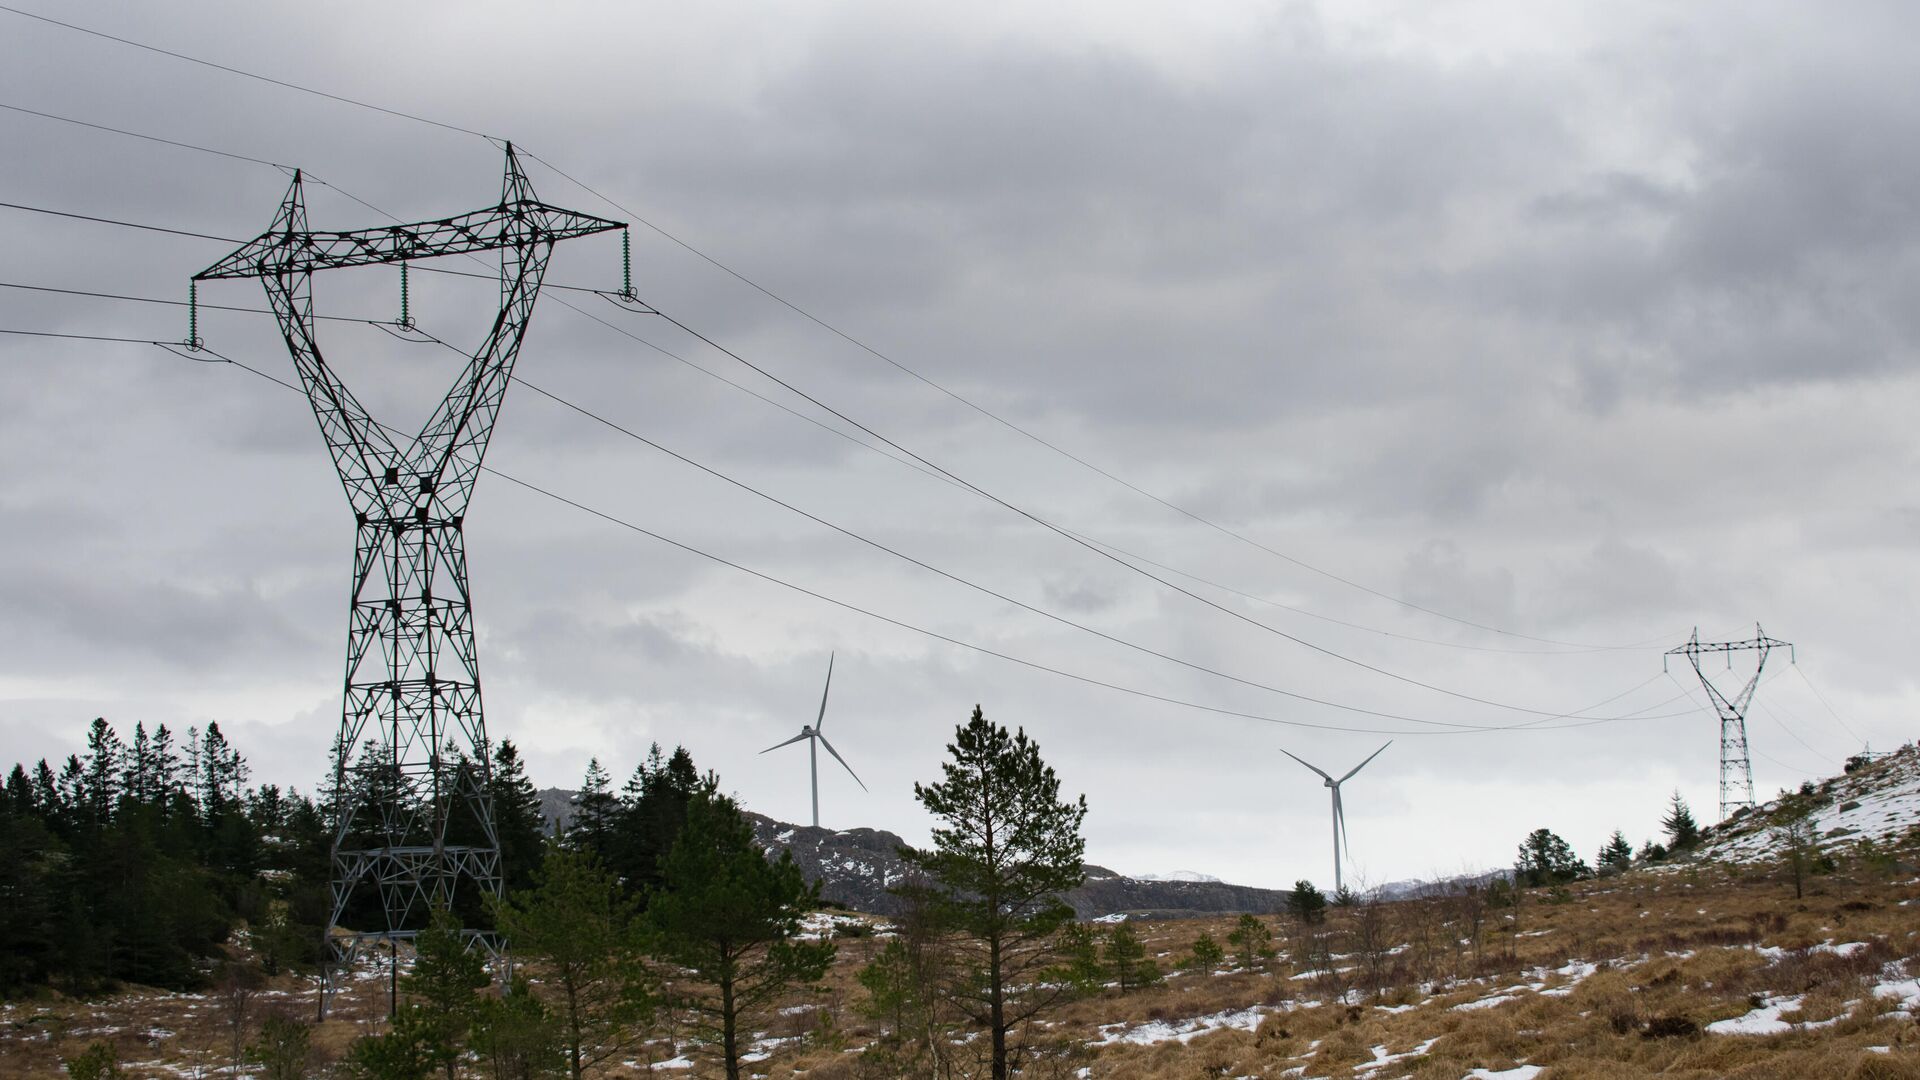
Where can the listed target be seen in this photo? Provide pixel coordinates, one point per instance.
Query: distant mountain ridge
(857, 867)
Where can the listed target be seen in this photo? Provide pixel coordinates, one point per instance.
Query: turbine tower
(815, 740)
(1736, 770)
(413, 819)
(1339, 811)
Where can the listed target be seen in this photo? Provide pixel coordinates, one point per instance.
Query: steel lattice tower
(1736, 771)
(413, 818)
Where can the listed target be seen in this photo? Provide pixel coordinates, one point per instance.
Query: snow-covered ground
(1879, 802)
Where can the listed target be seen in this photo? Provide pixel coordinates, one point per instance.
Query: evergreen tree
(517, 1036)
(1251, 940)
(729, 918)
(1545, 859)
(591, 829)
(1007, 848)
(99, 791)
(1683, 833)
(1207, 953)
(1616, 855)
(1306, 903)
(893, 990)
(442, 983)
(1081, 966)
(653, 808)
(516, 817)
(578, 926)
(1128, 959)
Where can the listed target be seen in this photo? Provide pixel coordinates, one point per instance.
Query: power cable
(903, 624)
(1848, 728)
(247, 74)
(643, 220)
(997, 595)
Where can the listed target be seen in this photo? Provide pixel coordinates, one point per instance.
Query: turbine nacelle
(811, 733)
(1339, 809)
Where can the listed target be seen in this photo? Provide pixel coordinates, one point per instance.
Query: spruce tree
(1005, 850)
(594, 809)
(1616, 856)
(516, 817)
(729, 918)
(1306, 903)
(1683, 833)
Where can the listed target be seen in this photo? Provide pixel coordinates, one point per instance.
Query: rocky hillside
(1878, 801)
(856, 867)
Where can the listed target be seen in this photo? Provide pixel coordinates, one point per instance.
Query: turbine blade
(822, 718)
(1340, 814)
(1363, 764)
(1315, 768)
(843, 763)
(789, 742)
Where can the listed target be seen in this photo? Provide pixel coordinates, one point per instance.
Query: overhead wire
(1570, 649)
(628, 432)
(636, 436)
(1073, 537)
(1026, 514)
(1822, 698)
(1455, 729)
(649, 224)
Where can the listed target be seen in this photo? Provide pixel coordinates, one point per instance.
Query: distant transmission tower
(413, 823)
(1736, 771)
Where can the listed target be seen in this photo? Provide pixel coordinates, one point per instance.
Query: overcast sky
(1590, 325)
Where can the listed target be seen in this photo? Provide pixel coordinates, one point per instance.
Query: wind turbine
(816, 740)
(1339, 812)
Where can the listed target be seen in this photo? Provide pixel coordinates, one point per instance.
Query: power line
(983, 493)
(1828, 705)
(636, 436)
(117, 221)
(827, 326)
(138, 135)
(246, 74)
(624, 523)
(918, 465)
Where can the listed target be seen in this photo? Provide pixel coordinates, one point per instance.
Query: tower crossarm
(515, 224)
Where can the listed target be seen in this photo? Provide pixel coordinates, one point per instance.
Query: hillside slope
(1879, 802)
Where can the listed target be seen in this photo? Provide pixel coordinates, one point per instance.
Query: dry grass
(1672, 951)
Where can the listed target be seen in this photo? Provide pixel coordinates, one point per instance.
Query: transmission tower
(1736, 771)
(413, 822)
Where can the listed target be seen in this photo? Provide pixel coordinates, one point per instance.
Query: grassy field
(1706, 969)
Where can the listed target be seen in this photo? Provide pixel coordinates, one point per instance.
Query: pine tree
(579, 926)
(1683, 833)
(1207, 953)
(1546, 859)
(1128, 959)
(1616, 856)
(1081, 965)
(442, 983)
(1252, 941)
(1005, 851)
(730, 918)
(517, 1036)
